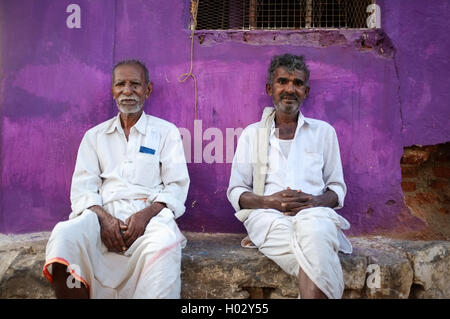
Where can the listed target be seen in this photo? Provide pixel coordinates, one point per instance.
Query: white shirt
(151, 164)
(312, 165)
(285, 146)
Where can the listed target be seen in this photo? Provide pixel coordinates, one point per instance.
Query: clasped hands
(117, 235)
(290, 201)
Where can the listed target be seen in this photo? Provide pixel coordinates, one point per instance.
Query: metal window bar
(281, 14)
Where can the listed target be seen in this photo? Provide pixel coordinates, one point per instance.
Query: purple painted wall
(381, 91)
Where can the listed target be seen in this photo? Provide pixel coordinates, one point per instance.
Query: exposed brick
(443, 153)
(426, 184)
(408, 186)
(443, 157)
(415, 209)
(440, 171)
(415, 156)
(409, 171)
(438, 185)
(425, 198)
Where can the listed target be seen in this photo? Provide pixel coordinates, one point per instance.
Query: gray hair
(134, 62)
(290, 62)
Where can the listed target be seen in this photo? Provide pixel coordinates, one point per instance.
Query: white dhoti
(310, 240)
(150, 268)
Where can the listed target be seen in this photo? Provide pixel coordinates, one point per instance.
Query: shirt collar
(300, 122)
(140, 125)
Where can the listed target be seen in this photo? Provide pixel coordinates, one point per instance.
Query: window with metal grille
(281, 14)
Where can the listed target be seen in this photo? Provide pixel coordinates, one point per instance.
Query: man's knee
(73, 229)
(318, 231)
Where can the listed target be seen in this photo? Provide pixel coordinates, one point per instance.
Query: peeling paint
(374, 40)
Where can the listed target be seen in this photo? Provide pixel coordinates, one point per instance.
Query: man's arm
(288, 201)
(86, 181)
(174, 173)
(111, 229)
(327, 199)
(136, 223)
(241, 177)
(333, 175)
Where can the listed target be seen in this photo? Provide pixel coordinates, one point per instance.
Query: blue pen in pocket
(147, 150)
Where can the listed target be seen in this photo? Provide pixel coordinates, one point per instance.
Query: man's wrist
(249, 200)
(99, 211)
(266, 202)
(102, 215)
(330, 198)
(157, 207)
(154, 209)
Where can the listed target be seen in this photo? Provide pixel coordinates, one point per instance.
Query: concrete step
(215, 266)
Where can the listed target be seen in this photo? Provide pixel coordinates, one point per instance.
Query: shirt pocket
(147, 170)
(312, 168)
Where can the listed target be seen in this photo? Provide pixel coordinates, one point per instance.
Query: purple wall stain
(381, 90)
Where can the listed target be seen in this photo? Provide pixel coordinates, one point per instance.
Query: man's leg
(315, 246)
(315, 249)
(156, 260)
(61, 287)
(278, 248)
(73, 242)
(307, 288)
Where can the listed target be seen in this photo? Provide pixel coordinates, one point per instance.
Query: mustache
(287, 95)
(124, 97)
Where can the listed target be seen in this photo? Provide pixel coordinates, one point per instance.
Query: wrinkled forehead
(128, 72)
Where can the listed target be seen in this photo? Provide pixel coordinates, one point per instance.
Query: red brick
(425, 198)
(440, 171)
(438, 185)
(409, 171)
(408, 186)
(416, 211)
(415, 156)
(443, 153)
(443, 157)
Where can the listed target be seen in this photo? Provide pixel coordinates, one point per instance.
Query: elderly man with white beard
(129, 185)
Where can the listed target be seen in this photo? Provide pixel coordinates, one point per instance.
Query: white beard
(126, 109)
(285, 108)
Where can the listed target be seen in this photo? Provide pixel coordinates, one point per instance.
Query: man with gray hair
(286, 182)
(129, 185)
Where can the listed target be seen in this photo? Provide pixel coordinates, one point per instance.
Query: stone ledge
(215, 266)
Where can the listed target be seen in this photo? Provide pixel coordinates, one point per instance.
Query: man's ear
(269, 89)
(149, 89)
(307, 91)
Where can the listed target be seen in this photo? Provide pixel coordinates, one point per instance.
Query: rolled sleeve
(172, 203)
(332, 172)
(86, 180)
(174, 174)
(241, 177)
(234, 196)
(83, 202)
